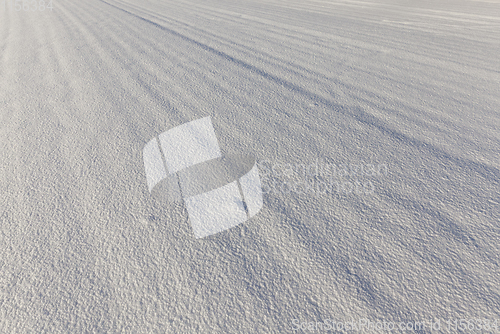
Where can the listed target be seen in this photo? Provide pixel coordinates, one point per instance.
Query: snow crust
(376, 130)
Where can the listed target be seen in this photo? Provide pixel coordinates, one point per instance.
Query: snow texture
(376, 130)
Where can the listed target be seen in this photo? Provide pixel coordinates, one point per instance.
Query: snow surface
(409, 90)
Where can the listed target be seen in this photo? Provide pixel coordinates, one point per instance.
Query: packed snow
(375, 126)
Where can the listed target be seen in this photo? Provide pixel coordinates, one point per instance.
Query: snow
(334, 98)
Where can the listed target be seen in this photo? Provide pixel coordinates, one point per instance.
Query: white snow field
(375, 124)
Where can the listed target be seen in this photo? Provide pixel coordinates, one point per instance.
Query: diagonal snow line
(224, 55)
(489, 172)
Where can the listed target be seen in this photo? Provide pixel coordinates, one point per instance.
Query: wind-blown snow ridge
(413, 88)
